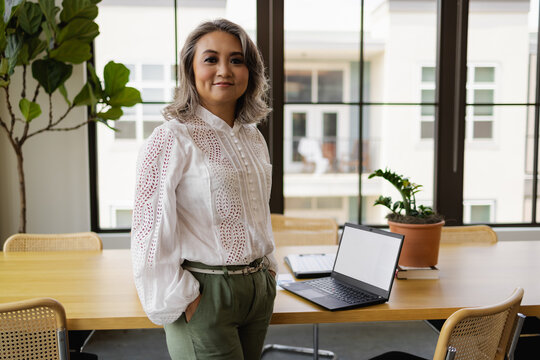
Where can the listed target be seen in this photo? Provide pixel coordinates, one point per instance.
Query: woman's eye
(210, 59)
(237, 61)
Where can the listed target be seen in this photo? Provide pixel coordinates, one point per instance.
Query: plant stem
(50, 110)
(10, 109)
(73, 127)
(23, 92)
(22, 189)
(36, 92)
(53, 124)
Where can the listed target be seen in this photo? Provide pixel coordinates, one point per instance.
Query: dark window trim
(451, 70)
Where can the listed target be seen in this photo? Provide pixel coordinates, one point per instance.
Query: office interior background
(359, 92)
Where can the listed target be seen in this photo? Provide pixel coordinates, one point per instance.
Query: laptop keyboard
(341, 291)
(314, 263)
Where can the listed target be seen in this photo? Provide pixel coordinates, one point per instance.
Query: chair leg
(303, 350)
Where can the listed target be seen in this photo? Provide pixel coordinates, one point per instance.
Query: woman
(202, 238)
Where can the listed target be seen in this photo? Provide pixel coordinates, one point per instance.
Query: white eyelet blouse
(202, 194)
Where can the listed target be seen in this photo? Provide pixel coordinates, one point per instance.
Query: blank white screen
(367, 256)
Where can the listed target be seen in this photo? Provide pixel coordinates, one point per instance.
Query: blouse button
(236, 141)
(232, 133)
(246, 163)
(243, 156)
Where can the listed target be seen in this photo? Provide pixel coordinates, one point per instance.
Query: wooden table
(97, 289)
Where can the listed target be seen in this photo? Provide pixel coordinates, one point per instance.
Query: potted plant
(44, 42)
(420, 224)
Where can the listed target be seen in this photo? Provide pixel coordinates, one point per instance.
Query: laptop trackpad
(311, 294)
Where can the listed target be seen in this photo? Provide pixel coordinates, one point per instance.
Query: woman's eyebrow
(234, 53)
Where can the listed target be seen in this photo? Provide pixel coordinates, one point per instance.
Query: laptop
(310, 265)
(363, 271)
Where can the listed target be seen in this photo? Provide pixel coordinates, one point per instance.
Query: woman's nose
(224, 69)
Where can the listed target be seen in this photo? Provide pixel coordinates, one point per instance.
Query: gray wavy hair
(251, 107)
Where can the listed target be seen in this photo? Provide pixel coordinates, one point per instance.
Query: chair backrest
(290, 231)
(33, 329)
(468, 234)
(482, 332)
(53, 242)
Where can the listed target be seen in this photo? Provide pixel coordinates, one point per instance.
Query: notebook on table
(363, 271)
(310, 265)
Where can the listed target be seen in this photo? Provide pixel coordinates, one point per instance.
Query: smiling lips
(223, 84)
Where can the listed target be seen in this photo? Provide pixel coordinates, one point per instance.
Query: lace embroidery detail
(151, 179)
(260, 150)
(232, 231)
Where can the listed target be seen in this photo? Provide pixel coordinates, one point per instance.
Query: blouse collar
(216, 122)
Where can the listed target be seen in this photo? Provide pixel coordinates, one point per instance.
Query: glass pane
(321, 51)
(330, 86)
(141, 36)
(123, 218)
(427, 129)
(149, 126)
(152, 110)
(484, 74)
(393, 142)
(400, 45)
(483, 96)
(494, 171)
(149, 94)
(500, 55)
(483, 130)
(298, 133)
(153, 72)
(298, 86)
(428, 96)
(428, 74)
(321, 161)
(483, 110)
(480, 213)
(126, 130)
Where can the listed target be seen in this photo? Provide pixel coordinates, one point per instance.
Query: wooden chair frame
(83, 241)
(33, 329)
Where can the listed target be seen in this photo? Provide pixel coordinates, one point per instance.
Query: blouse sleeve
(164, 288)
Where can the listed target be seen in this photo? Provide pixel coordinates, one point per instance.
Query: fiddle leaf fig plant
(404, 210)
(48, 41)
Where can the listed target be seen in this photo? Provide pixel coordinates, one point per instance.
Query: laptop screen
(368, 255)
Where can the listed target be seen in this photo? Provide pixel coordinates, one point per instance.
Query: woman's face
(221, 75)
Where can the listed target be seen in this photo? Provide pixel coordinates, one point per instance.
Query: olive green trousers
(231, 320)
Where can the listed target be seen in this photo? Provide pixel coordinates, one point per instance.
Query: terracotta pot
(421, 243)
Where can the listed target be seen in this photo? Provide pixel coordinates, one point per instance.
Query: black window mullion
(450, 115)
(270, 38)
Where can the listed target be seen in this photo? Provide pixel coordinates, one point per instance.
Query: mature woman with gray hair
(202, 245)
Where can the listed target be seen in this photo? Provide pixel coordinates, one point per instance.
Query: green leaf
(35, 47)
(116, 77)
(114, 113)
(3, 39)
(4, 66)
(22, 59)
(30, 110)
(51, 73)
(49, 37)
(8, 6)
(106, 123)
(81, 29)
(63, 91)
(30, 16)
(14, 45)
(94, 80)
(72, 51)
(50, 11)
(128, 96)
(85, 96)
(4, 83)
(78, 9)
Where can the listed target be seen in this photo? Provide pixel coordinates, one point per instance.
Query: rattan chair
(468, 234)
(293, 231)
(53, 242)
(83, 241)
(33, 329)
(488, 332)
